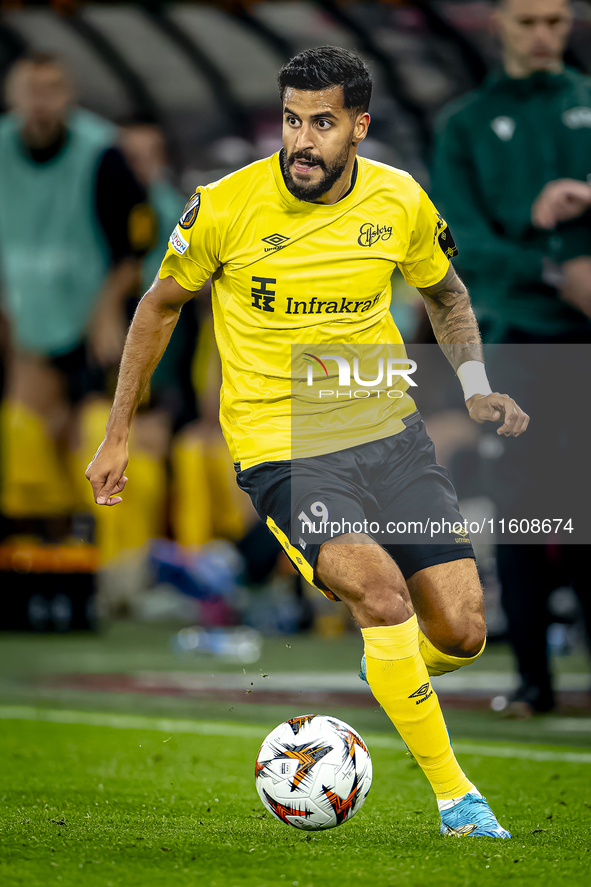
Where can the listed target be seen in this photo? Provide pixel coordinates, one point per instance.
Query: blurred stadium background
(182, 581)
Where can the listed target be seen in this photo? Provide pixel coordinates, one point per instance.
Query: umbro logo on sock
(424, 692)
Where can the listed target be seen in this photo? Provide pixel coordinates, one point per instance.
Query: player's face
(534, 34)
(41, 95)
(320, 139)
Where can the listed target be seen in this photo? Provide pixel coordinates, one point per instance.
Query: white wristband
(473, 378)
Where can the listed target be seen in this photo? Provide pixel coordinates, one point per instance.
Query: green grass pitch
(85, 804)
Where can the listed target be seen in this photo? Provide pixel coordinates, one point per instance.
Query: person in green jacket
(74, 224)
(508, 175)
(496, 149)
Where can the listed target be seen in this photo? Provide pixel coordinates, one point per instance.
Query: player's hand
(560, 201)
(497, 407)
(576, 283)
(106, 472)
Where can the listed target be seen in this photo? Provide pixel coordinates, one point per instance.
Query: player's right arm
(456, 330)
(192, 257)
(427, 267)
(148, 336)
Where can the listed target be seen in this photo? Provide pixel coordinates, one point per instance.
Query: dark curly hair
(327, 66)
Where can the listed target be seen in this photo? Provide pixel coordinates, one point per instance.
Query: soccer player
(301, 247)
(64, 281)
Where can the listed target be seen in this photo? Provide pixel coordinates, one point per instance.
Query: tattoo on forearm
(453, 321)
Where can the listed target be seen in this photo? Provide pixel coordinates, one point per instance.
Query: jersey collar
(320, 208)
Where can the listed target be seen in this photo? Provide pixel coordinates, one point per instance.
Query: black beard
(313, 193)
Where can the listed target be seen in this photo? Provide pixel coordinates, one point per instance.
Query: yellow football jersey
(292, 278)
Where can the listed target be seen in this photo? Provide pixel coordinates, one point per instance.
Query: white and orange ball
(313, 772)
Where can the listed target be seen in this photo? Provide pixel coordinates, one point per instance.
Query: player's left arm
(456, 330)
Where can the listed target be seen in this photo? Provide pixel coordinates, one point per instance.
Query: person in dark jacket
(497, 150)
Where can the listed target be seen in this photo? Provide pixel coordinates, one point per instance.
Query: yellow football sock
(439, 663)
(399, 681)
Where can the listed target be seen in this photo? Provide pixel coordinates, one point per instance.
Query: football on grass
(313, 772)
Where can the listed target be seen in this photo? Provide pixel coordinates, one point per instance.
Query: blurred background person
(184, 390)
(562, 201)
(74, 224)
(144, 148)
(496, 150)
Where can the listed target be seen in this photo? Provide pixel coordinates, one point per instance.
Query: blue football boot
(363, 670)
(471, 817)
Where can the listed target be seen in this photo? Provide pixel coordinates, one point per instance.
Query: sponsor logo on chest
(263, 298)
(370, 233)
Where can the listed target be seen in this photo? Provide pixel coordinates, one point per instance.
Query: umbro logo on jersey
(423, 693)
(276, 241)
(370, 234)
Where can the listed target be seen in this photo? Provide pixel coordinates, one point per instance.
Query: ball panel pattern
(313, 772)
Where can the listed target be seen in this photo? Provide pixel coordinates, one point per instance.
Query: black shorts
(391, 489)
(81, 376)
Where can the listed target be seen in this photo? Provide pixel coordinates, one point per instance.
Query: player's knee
(375, 600)
(385, 609)
(364, 576)
(465, 638)
(473, 642)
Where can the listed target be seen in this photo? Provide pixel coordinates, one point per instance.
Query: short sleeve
(430, 247)
(193, 247)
